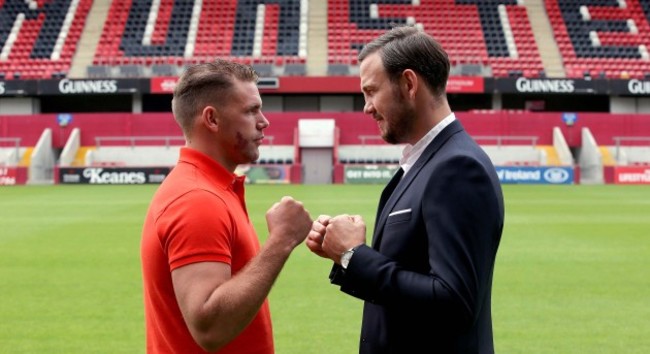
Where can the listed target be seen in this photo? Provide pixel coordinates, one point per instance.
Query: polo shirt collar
(213, 171)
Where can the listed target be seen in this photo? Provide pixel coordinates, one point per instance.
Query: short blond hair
(206, 84)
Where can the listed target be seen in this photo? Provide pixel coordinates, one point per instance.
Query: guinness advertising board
(525, 85)
(91, 86)
(632, 87)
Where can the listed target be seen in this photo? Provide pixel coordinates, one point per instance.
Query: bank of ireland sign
(535, 175)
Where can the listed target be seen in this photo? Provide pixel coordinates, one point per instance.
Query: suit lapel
(397, 186)
(388, 191)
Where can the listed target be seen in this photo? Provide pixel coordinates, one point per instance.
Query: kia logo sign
(556, 175)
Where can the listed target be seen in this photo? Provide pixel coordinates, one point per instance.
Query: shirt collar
(412, 153)
(210, 168)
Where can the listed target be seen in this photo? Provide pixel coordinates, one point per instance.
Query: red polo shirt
(198, 214)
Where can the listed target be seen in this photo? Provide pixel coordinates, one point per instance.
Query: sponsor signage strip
(18, 87)
(113, 175)
(535, 175)
(630, 87)
(327, 84)
(10, 176)
(468, 84)
(163, 84)
(365, 174)
(330, 84)
(551, 86)
(631, 175)
(346, 84)
(91, 86)
(7, 176)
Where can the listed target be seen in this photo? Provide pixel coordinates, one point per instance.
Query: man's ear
(409, 83)
(210, 118)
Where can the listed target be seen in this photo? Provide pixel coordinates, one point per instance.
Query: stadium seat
(481, 44)
(184, 35)
(600, 37)
(40, 40)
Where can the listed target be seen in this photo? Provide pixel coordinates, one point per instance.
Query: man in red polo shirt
(206, 277)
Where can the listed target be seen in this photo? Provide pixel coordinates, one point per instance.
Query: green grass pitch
(571, 273)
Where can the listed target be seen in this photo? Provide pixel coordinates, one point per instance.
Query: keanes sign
(113, 175)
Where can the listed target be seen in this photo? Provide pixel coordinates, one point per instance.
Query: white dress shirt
(412, 153)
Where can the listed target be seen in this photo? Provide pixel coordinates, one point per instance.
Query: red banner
(469, 84)
(8, 176)
(632, 175)
(163, 84)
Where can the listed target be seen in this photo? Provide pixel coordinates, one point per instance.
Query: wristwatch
(346, 256)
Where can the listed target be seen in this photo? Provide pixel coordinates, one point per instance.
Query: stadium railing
(134, 140)
(632, 150)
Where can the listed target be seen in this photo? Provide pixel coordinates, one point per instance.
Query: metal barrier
(167, 140)
(497, 138)
(500, 139)
(619, 140)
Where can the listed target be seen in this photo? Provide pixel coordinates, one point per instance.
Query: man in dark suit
(426, 279)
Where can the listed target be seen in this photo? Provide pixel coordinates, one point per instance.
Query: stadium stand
(267, 35)
(277, 154)
(37, 40)
(498, 38)
(136, 140)
(492, 39)
(601, 38)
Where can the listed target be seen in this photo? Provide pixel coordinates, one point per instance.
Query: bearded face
(398, 118)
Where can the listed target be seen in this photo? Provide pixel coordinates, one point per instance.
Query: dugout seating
(38, 41)
(277, 154)
(369, 154)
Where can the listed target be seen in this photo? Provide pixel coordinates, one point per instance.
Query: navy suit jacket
(426, 281)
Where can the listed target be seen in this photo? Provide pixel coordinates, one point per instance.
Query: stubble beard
(398, 128)
(249, 151)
